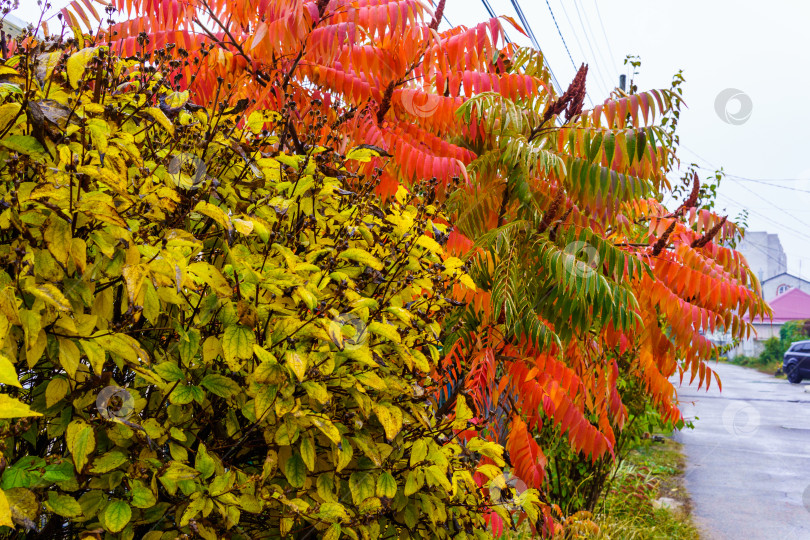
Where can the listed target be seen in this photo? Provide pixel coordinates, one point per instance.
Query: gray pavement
(748, 457)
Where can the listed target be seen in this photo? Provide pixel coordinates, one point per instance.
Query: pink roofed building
(793, 305)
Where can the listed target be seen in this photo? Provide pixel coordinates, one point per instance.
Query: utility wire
(604, 33)
(573, 64)
(579, 44)
(787, 228)
(598, 71)
(525, 22)
(604, 64)
(553, 18)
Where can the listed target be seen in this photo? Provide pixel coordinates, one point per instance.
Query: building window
(782, 289)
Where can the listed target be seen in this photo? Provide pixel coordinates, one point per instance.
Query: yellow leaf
(242, 226)
(210, 349)
(467, 280)
(387, 331)
(69, 356)
(363, 257)
(77, 63)
(12, 408)
(95, 355)
(81, 441)
(8, 112)
(210, 275)
(429, 243)
(58, 237)
(308, 452)
(463, 413)
(364, 153)
(161, 119)
(391, 419)
(176, 100)
(8, 374)
(56, 390)
(78, 252)
(326, 427)
(298, 364)
(237, 344)
(51, 295)
(5, 511)
(133, 276)
(215, 213)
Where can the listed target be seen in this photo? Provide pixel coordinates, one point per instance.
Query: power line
(746, 179)
(525, 22)
(576, 38)
(784, 211)
(797, 233)
(553, 18)
(604, 33)
(590, 47)
(604, 64)
(573, 64)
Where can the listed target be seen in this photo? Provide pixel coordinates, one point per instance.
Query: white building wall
(764, 254)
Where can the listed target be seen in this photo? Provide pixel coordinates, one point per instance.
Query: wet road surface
(748, 458)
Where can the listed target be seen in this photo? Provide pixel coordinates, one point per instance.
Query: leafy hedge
(204, 336)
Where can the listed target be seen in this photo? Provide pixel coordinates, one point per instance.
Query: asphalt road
(748, 457)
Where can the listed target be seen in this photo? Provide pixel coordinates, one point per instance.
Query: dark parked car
(796, 364)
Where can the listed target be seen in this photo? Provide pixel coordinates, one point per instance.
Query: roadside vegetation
(328, 271)
(770, 359)
(633, 508)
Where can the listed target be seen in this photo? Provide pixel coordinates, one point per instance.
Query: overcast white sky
(761, 49)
